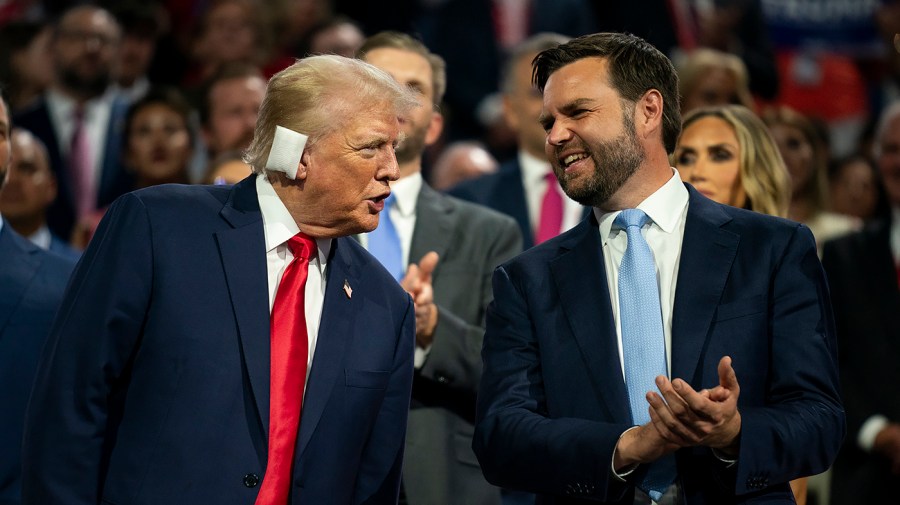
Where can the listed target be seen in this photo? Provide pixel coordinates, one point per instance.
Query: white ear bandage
(287, 149)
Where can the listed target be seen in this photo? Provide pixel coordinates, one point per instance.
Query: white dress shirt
(664, 233)
(279, 227)
(96, 117)
(534, 173)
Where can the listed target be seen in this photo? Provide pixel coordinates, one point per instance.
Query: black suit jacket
(863, 282)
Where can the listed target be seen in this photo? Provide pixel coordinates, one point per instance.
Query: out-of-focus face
(854, 190)
(4, 143)
(34, 64)
(233, 109)
(85, 49)
(413, 71)
(717, 87)
(347, 172)
(343, 39)
(228, 35)
(591, 140)
(797, 153)
(708, 157)
(31, 187)
(889, 159)
(159, 144)
(522, 108)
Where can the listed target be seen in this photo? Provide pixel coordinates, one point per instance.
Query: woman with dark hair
(158, 138)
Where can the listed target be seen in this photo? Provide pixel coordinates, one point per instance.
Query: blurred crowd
(790, 109)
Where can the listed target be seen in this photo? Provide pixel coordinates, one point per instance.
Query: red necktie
(551, 210)
(288, 372)
(80, 166)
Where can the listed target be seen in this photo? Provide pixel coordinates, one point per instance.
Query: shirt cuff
(724, 459)
(620, 476)
(420, 356)
(870, 429)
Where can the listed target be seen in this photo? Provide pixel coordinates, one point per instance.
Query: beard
(413, 145)
(615, 161)
(89, 85)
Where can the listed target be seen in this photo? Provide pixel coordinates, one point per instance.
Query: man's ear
(649, 112)
(303, 165)
(435, 127)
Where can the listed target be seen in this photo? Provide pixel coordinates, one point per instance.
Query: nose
(389, 170)
(698, 170)
(558, 134)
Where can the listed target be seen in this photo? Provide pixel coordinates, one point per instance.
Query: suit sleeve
(380, 466)
(70, 423)
(455, 354)
(800, 428)
(518, 445)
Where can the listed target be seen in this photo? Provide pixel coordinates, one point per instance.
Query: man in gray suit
(457, 245)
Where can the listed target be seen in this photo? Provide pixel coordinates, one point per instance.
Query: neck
(26, 225)
(653, 174)
(79, 97)
(146, 182)
(800, 210)
(411, 167)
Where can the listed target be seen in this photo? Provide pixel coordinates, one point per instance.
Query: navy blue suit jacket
(32, 282)
(114, 179)
(553, 401)
(154, 386)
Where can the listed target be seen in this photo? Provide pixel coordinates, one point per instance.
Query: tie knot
(302, 246)
(550, 177)
(631, 217)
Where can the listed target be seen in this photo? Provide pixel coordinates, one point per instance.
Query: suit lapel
(15, 278)
(434, 224)
(510, 198)
(242, 249)
(707, 252)
(336, 331)
(580, 277)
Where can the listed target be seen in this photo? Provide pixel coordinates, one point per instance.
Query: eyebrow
(566, 110)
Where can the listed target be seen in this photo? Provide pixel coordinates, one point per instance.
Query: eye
(721, 155)
(685, 158)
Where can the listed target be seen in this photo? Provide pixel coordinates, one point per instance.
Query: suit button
(251, 480)
(443, 379)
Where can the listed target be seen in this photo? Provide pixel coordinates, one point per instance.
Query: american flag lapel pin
(347, 289)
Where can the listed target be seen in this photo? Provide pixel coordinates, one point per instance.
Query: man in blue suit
(164, 381)
(32, 282)
(668, 348)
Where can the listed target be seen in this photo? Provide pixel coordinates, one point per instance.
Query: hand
(709, 418)
(887, 442)
(643, 444)
(417, 282)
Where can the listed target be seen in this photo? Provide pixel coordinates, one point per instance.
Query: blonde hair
(696, 65)
(763, 173)
(316, 95)
(405, 42)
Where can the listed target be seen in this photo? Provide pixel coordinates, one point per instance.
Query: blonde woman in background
(727, 154)
(707, 77)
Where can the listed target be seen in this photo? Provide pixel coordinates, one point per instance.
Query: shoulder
(481, 189)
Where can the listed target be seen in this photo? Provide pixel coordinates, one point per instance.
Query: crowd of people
(173, 174)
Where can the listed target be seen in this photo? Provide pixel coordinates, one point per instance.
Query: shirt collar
(664, 207)
(406, 192)
(278, 224)
(533, 169)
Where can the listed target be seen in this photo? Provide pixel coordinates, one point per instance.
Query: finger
(675, 402)
(700, 405)
(427, 265)
(678, 432)
(727, 376)
(410, 280)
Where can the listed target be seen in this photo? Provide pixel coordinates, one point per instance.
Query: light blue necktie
(384, 243)
(643, 340)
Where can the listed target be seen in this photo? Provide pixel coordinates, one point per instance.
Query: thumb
(427, 265)
(727, 376)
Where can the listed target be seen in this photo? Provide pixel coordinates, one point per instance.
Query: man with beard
(457, 245)
(80, 118)
(669, 349)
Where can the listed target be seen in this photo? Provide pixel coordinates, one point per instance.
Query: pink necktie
(289, 355)
(80, 166)
(551, 210)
